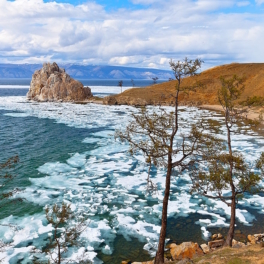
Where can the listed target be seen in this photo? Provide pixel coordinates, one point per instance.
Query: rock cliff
(52, 83)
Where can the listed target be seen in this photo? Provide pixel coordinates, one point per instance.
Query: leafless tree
(153, 132)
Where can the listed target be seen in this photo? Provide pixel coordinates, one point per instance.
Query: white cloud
(144, 2)
(259, 2)
(243, 3)
(34, 31)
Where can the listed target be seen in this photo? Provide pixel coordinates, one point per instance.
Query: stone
(185, 250)
(219, 236)
(205, 248)
(255, 239)
(216, 243)
(259, 237)
(251, 239)
(53, 84)
(214, 236)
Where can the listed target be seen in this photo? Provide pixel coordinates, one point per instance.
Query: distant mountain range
(86, 71)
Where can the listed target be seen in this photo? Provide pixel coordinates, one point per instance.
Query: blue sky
(139, 33)
(109, 5)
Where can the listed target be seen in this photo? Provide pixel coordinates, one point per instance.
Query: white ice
(109, 186)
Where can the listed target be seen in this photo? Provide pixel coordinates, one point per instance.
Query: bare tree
(226, 169)
(153, 132)
(120, 84)
(155, 79)
(67, 227)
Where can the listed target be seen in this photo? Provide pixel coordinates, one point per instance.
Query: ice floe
(109, 186)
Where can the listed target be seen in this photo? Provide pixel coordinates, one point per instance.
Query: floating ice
(17, 114)
(109, 186)
(91, 140)
(206, 234)
(55, 168)
(77, 160)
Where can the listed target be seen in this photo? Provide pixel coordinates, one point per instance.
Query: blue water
(67, 153)
(22, 86)
(85, 82)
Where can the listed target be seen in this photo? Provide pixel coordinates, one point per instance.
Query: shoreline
(252, 114)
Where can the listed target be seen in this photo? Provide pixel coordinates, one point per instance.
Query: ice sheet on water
(105, 182)
(104, 133)
(55, 168)
(129, 227)
(91, 140)
(17, 114)
(77, 160)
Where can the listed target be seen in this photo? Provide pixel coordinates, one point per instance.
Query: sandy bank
(252, 114)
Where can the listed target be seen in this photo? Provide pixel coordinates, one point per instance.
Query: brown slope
(207, 94)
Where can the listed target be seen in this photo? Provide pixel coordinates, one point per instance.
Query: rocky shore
(189, 252)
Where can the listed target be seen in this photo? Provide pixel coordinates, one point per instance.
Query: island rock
(52, 83)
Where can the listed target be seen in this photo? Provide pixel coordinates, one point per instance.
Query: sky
(137, 33)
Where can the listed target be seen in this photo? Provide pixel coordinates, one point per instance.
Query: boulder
(205, 248)
(219, 236)
(237, 244)
(216, 243)
(251, 239)
(255, 239)
(216, 236)
(185, 250)
(52, 83)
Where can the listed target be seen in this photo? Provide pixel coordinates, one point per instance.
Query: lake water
(68, 154)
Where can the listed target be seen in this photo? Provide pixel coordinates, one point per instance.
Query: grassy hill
(207, 94)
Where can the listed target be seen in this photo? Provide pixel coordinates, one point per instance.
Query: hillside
(86, 71)
(205, 95)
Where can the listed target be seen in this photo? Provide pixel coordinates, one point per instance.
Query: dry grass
(207, 94)
(253, 254)
(248, 255)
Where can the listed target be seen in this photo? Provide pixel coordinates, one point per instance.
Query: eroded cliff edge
(52, 83)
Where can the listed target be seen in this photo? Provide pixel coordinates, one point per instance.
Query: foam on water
(109, 186)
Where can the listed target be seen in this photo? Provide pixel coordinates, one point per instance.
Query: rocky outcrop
(52, 83)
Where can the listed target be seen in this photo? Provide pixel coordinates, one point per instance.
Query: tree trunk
(159, 259)
(230, 234)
